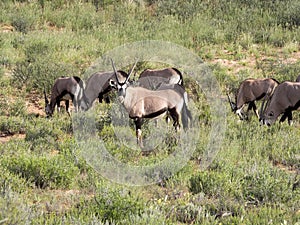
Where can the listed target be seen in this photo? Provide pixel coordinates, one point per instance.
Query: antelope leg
(255, 109)
(290, 118)
(58, 106)
(138, 130)
(75, 103)
(282, 119)
(67, 107)
(175, 117)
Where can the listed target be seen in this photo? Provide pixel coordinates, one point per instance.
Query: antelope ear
(112, 83)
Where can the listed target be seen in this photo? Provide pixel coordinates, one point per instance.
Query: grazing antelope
(97, 86)
(64, 89)
(286, 98)
(152, 79)
(142, 103)
(251, 90)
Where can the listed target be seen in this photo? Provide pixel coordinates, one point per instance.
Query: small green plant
(112, 205)
(12, 125)
(43, 172)
(21, 24)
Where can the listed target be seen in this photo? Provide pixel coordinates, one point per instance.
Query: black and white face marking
(48, 110)
(122, 89)
(271, 114)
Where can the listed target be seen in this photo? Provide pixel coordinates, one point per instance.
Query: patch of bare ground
(251, 62)
(59, 201)
(286, 168)
(7, 137)
(5, 28)
(33, 104)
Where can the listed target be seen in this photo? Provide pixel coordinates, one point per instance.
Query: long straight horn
(134, 65)
(45, 95)
(115, 70)
(232, 105)
(266, 98)
(262, 109)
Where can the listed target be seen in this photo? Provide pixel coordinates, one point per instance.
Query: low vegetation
(254, 178)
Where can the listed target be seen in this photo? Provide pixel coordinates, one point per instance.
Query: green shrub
(211, 183)
(288, 15)
(12, 125)
(112, 205)
(13, 208)
(21, 24)
(40, 66)
(43, 172)
(266, 186)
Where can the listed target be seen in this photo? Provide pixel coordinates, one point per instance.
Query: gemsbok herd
(277, 99)
(161, 92)
(154, 94)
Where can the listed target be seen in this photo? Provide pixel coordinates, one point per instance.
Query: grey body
(142, 103)
(153, 79)
(64, 89)
(97, 86)
(251, 90)
(286, 98)
(186, 113)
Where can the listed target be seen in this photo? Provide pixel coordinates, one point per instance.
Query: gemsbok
(286, 98)
(249, 91)
(64, 89)
(97, 86)
(187, 115)
(143, 103)
(152, 79)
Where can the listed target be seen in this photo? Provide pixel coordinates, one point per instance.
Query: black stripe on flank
(155, 114)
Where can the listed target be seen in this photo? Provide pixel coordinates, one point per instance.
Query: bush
(211, 183)
(288, 16)
(40, 67)
(266, 186)
(21, 24)
(12, 125)
(43, 172)
(112, 205)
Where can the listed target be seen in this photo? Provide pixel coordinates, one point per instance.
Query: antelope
(64, 89)
(98, 86)
(187, 115)
(251, 90)
(152, 79)
(143, 103)
(286, 98)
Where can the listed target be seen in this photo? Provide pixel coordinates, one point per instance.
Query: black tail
(180, 75)
(186, 115)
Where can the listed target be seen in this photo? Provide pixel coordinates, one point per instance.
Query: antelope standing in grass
(152, 79)
(97, 86)
(142, 103)
(286, 98)
(251, 90)
(187, 115)
(64, 89)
